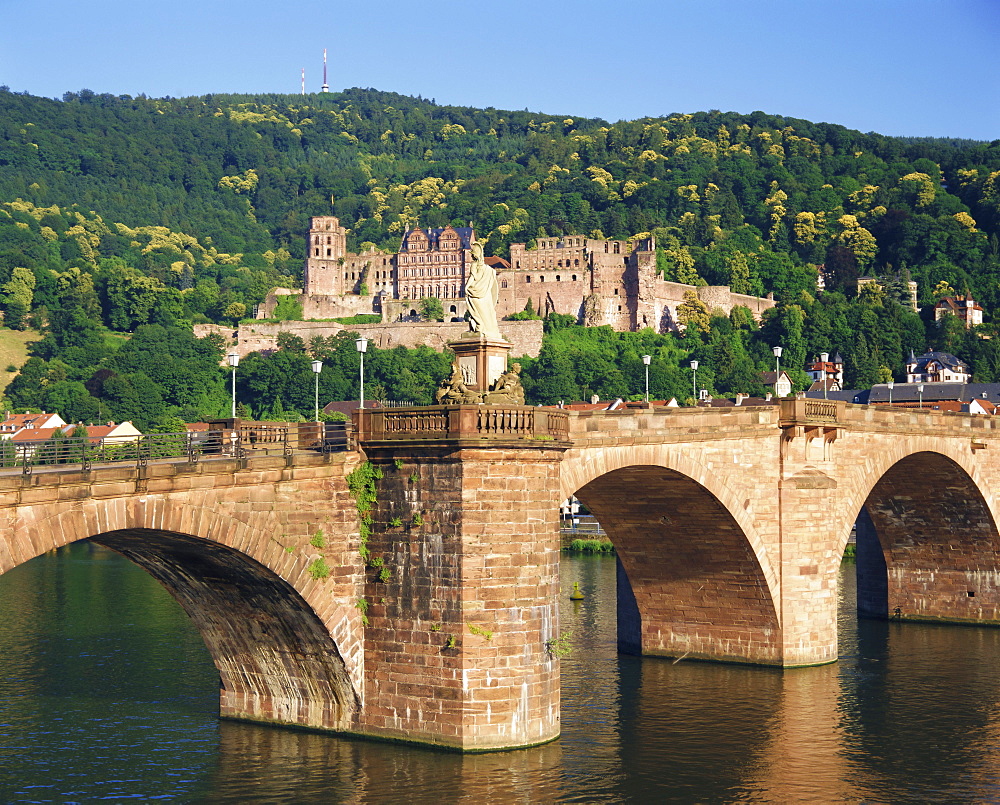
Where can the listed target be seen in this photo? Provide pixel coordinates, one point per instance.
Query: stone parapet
(474, 424)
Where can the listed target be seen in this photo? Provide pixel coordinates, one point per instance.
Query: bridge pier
(463, 576)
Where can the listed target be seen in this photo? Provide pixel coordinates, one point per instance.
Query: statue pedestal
(480, 360)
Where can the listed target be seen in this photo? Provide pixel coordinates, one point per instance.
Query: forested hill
(121, 211)
(243, 174)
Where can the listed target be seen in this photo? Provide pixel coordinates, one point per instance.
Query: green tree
(431, 309)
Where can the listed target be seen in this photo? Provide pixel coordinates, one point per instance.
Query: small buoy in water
(576, 595)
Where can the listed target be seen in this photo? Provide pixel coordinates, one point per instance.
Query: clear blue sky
(908, 67)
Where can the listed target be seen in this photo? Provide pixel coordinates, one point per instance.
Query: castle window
(574, 278)
(541, 279)
(616, 292)
(576, 263)
(328, 252)
(527, 279)
(316, 253)
(617, 248)
(558, 278)
(503, 283)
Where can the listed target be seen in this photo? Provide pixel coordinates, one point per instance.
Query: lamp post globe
(645, 360)
(920, 391)
(694, 381)
(889, 386)
(777, 368)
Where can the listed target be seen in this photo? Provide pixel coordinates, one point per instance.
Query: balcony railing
(802, 410)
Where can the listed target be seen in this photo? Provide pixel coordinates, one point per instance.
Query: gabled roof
(770, 378)
(944, 358)
(465, 235)
(832, 384)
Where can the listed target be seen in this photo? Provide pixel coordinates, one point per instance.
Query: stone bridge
(407, 590)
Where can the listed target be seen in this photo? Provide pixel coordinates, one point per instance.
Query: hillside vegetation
(119, 212)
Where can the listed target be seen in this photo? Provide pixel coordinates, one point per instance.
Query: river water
(107, 693)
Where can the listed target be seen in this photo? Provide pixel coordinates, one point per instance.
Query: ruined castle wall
(525, 336)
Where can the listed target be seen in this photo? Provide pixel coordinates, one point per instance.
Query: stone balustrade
(492, 423)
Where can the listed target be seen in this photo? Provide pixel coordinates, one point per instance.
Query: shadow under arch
(276, 660)
(928, 547)
(690, 582)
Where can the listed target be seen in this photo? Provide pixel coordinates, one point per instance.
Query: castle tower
(326, 247)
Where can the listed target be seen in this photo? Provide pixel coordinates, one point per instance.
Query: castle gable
(415, 241)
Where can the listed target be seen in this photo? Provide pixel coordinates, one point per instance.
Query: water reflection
(107, 692)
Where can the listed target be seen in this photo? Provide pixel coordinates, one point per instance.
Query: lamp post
(777, 368)
(694, 380)
(317, 367)
(645, 360)
(889, 385)
(234, 360)
(362, 345)
(920, 391)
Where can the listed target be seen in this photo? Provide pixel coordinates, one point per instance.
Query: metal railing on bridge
(234, 439)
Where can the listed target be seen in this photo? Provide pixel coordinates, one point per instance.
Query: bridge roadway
(422, 606)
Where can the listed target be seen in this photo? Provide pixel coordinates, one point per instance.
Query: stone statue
(481, 294)
(454, 391)
(507, 390)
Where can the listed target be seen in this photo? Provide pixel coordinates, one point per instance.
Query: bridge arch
(701, 582)
(927, 539)
(285, 650)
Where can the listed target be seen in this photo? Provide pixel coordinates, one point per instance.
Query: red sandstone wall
(459, 630)
(525, 336)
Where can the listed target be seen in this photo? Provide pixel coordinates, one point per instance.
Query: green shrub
(590, 546)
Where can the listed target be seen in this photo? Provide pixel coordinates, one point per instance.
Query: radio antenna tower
(325, 87)
(303, 80)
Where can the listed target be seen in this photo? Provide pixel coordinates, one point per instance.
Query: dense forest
(143, 215)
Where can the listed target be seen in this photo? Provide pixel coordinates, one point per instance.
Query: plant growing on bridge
(479, 630)
(559, 646)
(378, 563)
(362, 605)
(318, 568)
(317, 540)
(397, 463)
(450, 642)
(361, 484)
